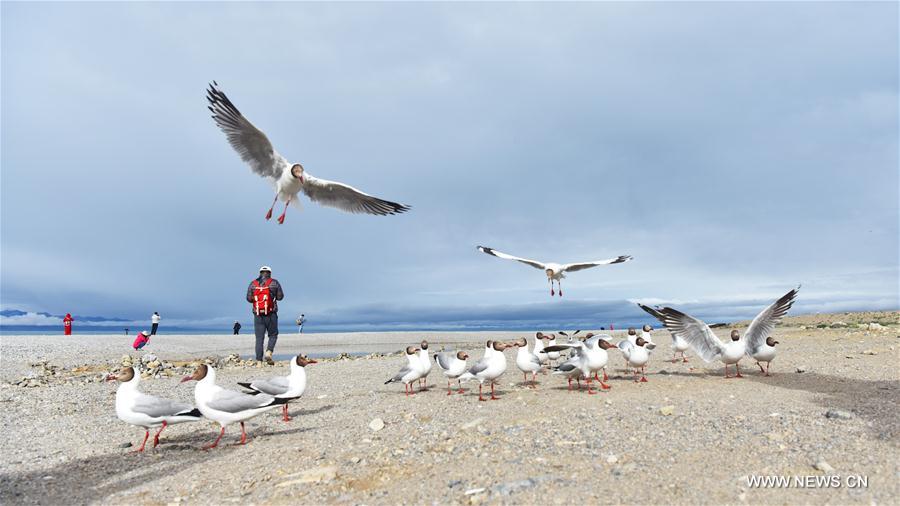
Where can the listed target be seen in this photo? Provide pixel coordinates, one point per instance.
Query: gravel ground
(686, 436)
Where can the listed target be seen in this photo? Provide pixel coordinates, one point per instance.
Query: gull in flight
(709, 347)
(554, 271)
(289, 178)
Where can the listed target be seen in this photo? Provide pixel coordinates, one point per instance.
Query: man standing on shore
(263, 294)
(237, 327)
(154, 323)
(300, 321)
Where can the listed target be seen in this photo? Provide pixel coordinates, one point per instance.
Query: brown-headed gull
(708, 345)
(227, 406)
(538, 349)
(489, 368)
(146, 411)
(764, 353)
(288, 387)
(452, 365)
(636, 354)
(574, 368)
(289, 178)
(409, 373)
(554, 271)
(424, 365)
(679, 345)
(590, 357)
(527, 361)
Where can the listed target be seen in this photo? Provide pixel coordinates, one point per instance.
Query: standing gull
(408, 373)
(289, 178)
(288, 387)
(452, 365)
(226, 406)
(146, 411)
(554, 271)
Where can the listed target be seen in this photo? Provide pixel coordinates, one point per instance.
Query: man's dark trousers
(261, 325)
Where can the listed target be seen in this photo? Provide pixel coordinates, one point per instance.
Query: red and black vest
(263, 301)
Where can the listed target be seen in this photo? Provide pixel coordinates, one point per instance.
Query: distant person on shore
(154, 323)
(67, 324)
(126, 331)
(263, 294)
(237, 327)
(141, 340)
(300, 321)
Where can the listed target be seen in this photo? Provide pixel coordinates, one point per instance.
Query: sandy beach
(686, 436)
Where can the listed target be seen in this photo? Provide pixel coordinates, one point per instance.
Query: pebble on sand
(838, 414)
(823, 466)
(376, 424)
(318, 474)
(667, 410)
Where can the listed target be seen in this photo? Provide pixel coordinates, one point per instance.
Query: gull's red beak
(186, 379)
(110, 377)
(313, 362)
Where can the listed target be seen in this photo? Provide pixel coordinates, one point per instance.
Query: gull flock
(579, 358)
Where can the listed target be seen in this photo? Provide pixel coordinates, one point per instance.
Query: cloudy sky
(734, 149)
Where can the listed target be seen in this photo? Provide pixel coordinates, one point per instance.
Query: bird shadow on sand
(95, 478)
(313, 411)
(875, 401)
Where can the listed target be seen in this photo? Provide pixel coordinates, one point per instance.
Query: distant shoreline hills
(115, 326)
(11, 313)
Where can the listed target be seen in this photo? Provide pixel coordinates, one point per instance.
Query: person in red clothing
(67, 324)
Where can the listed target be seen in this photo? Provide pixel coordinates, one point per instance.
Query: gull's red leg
(480, 398)
(156, 437)
(493, 397)
(216, 443)
(643, 374)
(286, 204)
(590, 390)
(448, 388)
(605, 377)
(760, 367)
(144, 442)
(738, 368)
(243, 434)
(459, 386)
(269, 214)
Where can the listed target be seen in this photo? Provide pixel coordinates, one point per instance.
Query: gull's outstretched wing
(696, 332)
(653, 312)
(250, 142)
(587, 265)
(500, 254)
(764, 323)
(347, 198)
